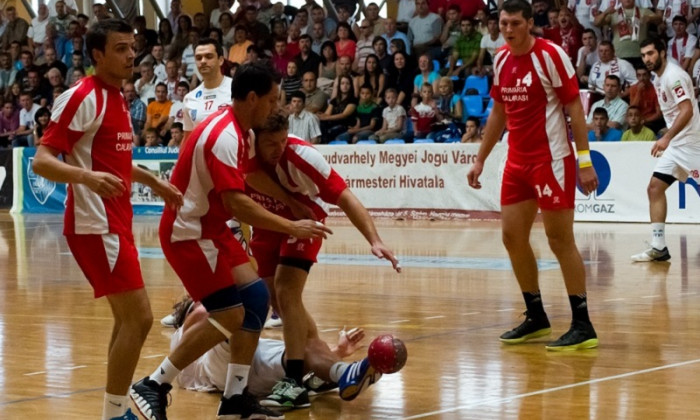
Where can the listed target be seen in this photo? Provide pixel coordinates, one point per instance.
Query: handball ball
(387, 354)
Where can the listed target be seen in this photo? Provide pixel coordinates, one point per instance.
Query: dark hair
(351, 92)
(475, 120)
(275, 123)
(656, 42)
(494, 17)
(323, 47)
(211, 41)
(96, 38)
(351, 34)
(41, 112)
(82, 16)
(601, 111)
(305, 36)
(78, 54)
(216, 30)
(454, 7)
(608, 43)
(379, 39)
(515, 6)
(679, 18)
(162, 84)
(372, 79)
(614, 77)
(253, 48)
(589, 31)
(178, 126)
(367, 86)
(183, 84)
(253, 77)
(240, 28)
(400, 44)
(298, 94)
(251, 8)
(633, 107)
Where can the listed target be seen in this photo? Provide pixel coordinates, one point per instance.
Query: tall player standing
(680, 144)
(534, 83)
(90, 126)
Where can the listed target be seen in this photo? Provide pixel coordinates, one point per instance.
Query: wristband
(584, 159)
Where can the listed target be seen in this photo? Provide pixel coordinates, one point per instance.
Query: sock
(295, 369)
(165, 373)
(658, 235)
(337, 371)
(114, 406)
(579, 308)
(533, 303)
(236, 379)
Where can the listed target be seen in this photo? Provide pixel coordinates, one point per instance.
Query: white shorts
(680, 161)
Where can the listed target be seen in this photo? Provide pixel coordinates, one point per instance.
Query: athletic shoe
(316, 385)
(274, 321)
(150, 398)
(245, 407)
(356, 378)
(287, 394)
(180, 310)
(652, 254)
(529, 329)
(581, 336)
(127, 416)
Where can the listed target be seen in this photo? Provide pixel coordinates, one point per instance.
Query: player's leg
(656, 191)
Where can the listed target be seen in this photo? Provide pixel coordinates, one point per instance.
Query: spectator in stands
(303, 123)
(344, 68)
(539, 13)
(380, 50)
(425, 29)
(54, 94)
(176, 135)
(12, 94)
(77, 63)
(174, 17)
(329, 58)
(339, 113)
(363, 46)
(424, 114)
(99, 11)
(36, 34)
(215, 15)
(188, 64)
(318, 15)
(629, 25)
(16, 29)
(293, 35)
(140, 49)
(346, 45)
(62, 19)
(307, 60)
(141, 28)
(16, 56)
(258, 32)
(70, 7)
(75, 74)
(41, 122)
(137, 109)
(52, 61)
(24, 137)
(7, 72)
(451, 31)
(165, 34)
(279, 29)
(40, 94)
(601, 130)
(637, 131)
(681, 47)
(173, 79)
(666, 10)
(241, 43)
(391, 33)
(615, 108)
(466, 48)
(570, 32)
(609, 64)
(480, 22)
(318, 37)
(344, 14)
(150, 137)
(406, 12)
(9, 123)
(158, 57)
(265, 12)
(426, 74)
(301, 20)
(83, 22)
(158, 112)
(394, 119)
(177, 112)
(471, 131)
(252, 55)
(315, 99)
(146, 84)
(643, 96)
(290, 82)
(280, 57)
(490, 43)
(201, 23)
(401, 79)
(449, 104)
(182, 37)
(583, 12)
(368, 117)
(218, 36)
(228, 31)
(26, 64)
(55, 78)
(371, 75)
(587, 56)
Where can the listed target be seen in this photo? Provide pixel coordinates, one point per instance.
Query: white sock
(236, 379)
(337, 371)
(114, 406)
(165, 373)
(658, 235)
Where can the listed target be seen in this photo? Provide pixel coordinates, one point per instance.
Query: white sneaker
(274, 321)
(168, 321)
(652, 254)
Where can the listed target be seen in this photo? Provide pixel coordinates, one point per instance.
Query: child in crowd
(637, 130)
(424, 114)
(290, 83)
(394, 117)
(367, 115)
(150, 136)
(471, 131)
(449, 112)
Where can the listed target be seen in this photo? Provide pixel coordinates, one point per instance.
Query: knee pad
(256, 301)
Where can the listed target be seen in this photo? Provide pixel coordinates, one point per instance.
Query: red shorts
(110, 262)
(552, 184)
(205, 265)
(269, 247)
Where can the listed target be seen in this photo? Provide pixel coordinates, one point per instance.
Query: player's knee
(512, 240)
(224, 306)
(256, 301)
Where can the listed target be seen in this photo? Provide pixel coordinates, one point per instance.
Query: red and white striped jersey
(534, 87)
(213, 161)
(303, 171)
(91, 126)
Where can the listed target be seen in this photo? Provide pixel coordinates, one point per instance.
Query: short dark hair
(96, 38)
(590, 31)
(615, 78)
(657, 42)
(494, 17)
(211, 41)
(177, 126)
(601, 111)
(515, 6)
(77, 53)
(162, 84)
(475, 120)
(633, 107)
(454, 7)
(275, 123)
(379, 38)
(253, 77)
(183, 84)
(298, 94)
(679, 18)
(608, 43)
(367, 86)
(305, 36)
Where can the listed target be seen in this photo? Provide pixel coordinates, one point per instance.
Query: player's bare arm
(587, 175)
(167, 191)
(348, 342)
(684, 116)
(248, 211)
(492, 133)
(262, 182)
(47, 164)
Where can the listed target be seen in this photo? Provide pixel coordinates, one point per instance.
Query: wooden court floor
(455, 297)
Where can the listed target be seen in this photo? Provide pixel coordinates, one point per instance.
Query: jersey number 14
(525, 81)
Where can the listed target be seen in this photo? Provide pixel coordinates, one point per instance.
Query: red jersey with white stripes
(534, 87)
(213, 161)
(303, 171)
(90, 125)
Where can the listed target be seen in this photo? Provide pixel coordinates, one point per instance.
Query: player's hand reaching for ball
(106, 185)
(588, 179)
(304, 229)
(349, 341)
(170, 194)
(474, 174)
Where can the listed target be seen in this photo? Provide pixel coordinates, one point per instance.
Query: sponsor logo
(40, 187)
(193, 114)
(692, 181)
(679, 91)
(210, 97)
(594, 204)
(198, 94)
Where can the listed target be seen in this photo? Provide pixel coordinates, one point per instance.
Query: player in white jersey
(680, 145)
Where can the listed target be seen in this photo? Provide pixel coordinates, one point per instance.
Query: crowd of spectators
(349, 75)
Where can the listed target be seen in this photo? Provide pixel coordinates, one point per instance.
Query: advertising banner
(6, 182)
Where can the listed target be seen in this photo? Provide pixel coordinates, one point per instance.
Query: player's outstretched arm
(348, 342)
(587, 176)
(492, 133)
(47, 164)
(167, 191)
(262, 182)
(359, 216)
(248, 211)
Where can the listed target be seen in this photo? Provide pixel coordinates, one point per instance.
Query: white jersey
(202, 102)
(673, 87)
(617, 66)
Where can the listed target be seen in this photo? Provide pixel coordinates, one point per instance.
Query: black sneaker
(245, 407)
(529, 329)
(581, 336)
(287, 394)
(150, 398)
(316, 385)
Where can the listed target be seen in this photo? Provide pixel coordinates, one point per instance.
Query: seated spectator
(316, 99)
(307, 60)
(343, 68)
(425, 29)
(55, 93)
(346, 44)
(55, 78)
(401, 79)
(140, 50)
(449, 104)
(280, 57)
(26, 63)
(368, 117)
(202, 23)
(137, 110)
(424, 114)
(682, 46)
(9, 123)
(291, 82)
(51, 61)
(393, 117)
(380, 50)
(302, 123)
(177, 113)
(490, 43)
(450, 31)
(41, 93)
(629, 24)
(41, 122)
(7, 72)
(146, 85)
(158, 57)
(584, 13)
(392, 33)
(140, 27)
(467, 48)
(587, 56)
(12, 94)
(371, 75)
(327, 25)
(614, 106)
(150, 137)
(24, 135)
(241, 43)
(158, 112)
(318, 37)
(36, 34)
(569, 33)
(406, 11)
(327, 68)
(215, 15)
(339, 113)
(608, 64)
(471, 131)
(637, 130)
(176, 135)
(173, 79)
(75, 75)
(258, 32)
(376, 23)
(182, 38)
(643, 96)
(16, 29)
(426, 74)
(601, 130)
(189, 67)
(293, 35)
(364, 46)
(228, 31)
